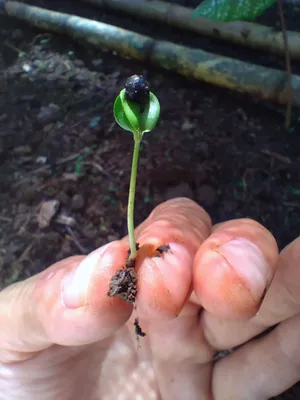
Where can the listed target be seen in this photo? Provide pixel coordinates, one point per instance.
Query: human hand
(62, 338)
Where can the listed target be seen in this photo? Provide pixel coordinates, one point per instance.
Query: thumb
(65, 304)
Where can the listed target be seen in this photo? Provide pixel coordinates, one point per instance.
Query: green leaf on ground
(232, 10)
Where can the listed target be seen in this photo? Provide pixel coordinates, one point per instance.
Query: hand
(62, 338)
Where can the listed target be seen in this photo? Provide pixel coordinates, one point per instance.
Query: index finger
(165, 282)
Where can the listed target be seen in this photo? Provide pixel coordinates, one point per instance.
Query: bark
(267, 83)
(243, 33)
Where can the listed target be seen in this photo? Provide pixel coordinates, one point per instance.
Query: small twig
(46, 167)
(25, 254)
(15, 266)
(100, 169)
(11, 46)
(22, 228)
(75, 240)
(277, 156)
(291, 204)
(5, 219)
(244, 178)
(62, 161)
(68, 158)
(41, 36)
(63, 219)
(288, 114)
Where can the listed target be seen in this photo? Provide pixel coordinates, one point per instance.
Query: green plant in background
(232, 10)
(136, 110)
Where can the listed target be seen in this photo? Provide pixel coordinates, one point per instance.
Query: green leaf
(151, 113)
(120, 116)
(135, 118)
(131, 110)
(232, 10)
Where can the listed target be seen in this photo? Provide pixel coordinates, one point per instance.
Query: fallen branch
(289, 87)
(243, 33)
(267, 83)
(76, 241)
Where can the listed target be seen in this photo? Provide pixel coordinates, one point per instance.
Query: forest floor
(62, 152)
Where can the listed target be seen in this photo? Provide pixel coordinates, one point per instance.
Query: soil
(65, 164)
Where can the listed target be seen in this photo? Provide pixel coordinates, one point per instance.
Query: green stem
(132, 186)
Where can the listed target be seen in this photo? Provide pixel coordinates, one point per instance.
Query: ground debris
(47, 211)
(47, 114)
(123, 284)
(138, 329)
(164, 248)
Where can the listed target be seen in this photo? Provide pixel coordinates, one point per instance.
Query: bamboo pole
(267, 83)
(243, 33)
(288, 113)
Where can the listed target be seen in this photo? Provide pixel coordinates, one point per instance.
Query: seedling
(136, 109)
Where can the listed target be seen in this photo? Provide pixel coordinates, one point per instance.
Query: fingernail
(249, 263)
(75, 285)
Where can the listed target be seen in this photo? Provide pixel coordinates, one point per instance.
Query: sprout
(137, 110)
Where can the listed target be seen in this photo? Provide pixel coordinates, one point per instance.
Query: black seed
(137, 89)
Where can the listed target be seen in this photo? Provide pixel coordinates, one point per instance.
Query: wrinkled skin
(62, 338)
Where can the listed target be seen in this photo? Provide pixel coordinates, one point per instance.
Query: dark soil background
(59, 143)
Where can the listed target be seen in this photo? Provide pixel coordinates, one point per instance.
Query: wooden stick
(267, 83)
(243, 33)
(289, 87)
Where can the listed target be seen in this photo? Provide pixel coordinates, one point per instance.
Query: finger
(164, 283)
(234, 267)
(66, 304)
(282, 301)
(262, 368)
(164, 286)
(180, 220)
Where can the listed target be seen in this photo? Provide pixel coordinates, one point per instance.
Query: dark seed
(137, 89)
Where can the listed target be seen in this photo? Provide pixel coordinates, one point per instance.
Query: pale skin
(62, 338)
